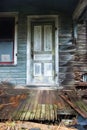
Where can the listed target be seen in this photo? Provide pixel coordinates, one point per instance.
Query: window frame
(12, 15)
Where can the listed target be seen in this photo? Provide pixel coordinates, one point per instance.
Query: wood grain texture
(38, 105)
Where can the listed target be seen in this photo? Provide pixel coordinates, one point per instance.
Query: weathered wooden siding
(17, 74)
(80, 64)
(73, 56)
(66, 51)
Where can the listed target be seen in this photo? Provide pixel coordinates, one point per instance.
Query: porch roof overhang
(80, 11)
(39, 6)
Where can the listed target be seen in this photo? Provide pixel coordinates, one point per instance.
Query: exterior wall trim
(29, 19)
(13, 14)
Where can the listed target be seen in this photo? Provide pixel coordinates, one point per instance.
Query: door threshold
(44, 86)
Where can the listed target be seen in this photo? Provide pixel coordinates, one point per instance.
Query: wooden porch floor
(21, 104)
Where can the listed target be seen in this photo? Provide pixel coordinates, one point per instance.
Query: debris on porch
(28, 104)
(41, 105)
(81, 89)
(75, 102)
(19, 125)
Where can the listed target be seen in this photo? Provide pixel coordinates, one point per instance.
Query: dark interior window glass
(7, 31)
(7, 28)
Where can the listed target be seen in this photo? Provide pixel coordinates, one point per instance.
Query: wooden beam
(76, 108)
(79, 9)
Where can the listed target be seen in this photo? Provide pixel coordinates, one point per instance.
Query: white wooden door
(42, 52)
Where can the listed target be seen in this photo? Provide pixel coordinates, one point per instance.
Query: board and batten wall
(67, 51)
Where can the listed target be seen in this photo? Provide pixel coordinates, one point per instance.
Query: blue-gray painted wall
(17, 73)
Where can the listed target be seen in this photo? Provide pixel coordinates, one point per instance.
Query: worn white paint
(15, 40)
(37, 69)
(48, 38)
(15, 15)
(43, 57)
(48, 69)
(37, 38)
(48, 18)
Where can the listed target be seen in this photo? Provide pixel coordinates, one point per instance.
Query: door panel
(47, 69)
(47, 37)
(37, 38)
(42, 44)
(37, 69)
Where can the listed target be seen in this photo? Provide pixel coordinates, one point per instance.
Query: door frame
(29, 20)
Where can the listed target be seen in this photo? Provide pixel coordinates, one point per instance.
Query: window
(8, 39)
(84, 77)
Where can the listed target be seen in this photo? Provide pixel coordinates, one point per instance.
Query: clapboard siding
(73, 61)
(81, 52)
(66, 52)
(17, 74)
(65, 29)
(72, 57)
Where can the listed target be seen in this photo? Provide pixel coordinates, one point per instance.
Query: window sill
(8, 65)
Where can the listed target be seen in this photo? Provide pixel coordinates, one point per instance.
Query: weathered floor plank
(37, 105)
